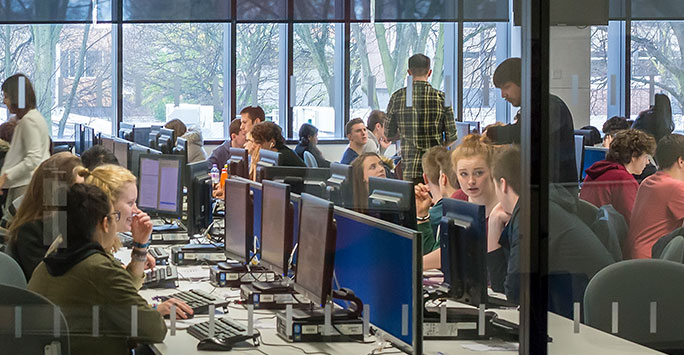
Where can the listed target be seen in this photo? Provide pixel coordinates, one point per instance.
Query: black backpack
(657, 120)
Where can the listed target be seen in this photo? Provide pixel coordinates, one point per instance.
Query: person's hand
(218, 192)
(182, 308)
(3, 181)
(150, 263)
(384, 143)
(141, 227)
(423, 200)
(498, 219)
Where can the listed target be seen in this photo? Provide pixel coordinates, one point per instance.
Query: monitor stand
(274, 286)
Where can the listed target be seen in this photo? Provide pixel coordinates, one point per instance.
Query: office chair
(309, 160)
(37, 320)
(634, 285)
(674, 251)
(611, 229)
(659, 246)
(587, 212)
(10, 272)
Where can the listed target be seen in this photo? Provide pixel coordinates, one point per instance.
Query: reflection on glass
(479, 62)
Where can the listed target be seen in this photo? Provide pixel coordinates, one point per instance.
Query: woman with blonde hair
(26, 241)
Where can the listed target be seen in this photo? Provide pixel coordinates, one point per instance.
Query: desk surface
(565, 341)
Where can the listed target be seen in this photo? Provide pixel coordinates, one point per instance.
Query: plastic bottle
(224, 176)
(214, 174)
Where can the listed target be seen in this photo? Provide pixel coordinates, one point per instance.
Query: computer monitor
(239, 221)
(126, 131)
(339, 185)
(159, 184)
(181, 147)
(586, 133)
(199, 199)
(78, 138)
(462, 130)
(300, 179)
(141, 135)
(463, 241)
(591, 156)
(238, 163)
(267, 158)
(276, 226)
(88, 138)
(120, 150)
(474, 126)
(315, 249)
(107, 142)
(165, 142)
(136, 150)
(579, 153)
(393, 200)
(154, 136)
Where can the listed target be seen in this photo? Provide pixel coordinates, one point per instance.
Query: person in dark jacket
(612, 126)
(308, 141)
(611, 181)
(221, 154)
(269, 136)
(573, 248)
(562, 131)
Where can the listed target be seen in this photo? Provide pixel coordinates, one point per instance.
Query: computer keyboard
(198, 300)
(225, 328)
(161, 255)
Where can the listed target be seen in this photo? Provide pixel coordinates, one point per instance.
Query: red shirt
(609, 182)
(658, 210)
(460, 195)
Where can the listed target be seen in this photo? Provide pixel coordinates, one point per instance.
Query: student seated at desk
(429, 199)
(98, 155)
(84, 274)
(471, 161)
(26, 233)
(573, 248)
(611, 181)
(119, 184)
(659, 205)
(363, 167)
(269, 136)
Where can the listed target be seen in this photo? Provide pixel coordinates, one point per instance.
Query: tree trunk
(45, 39)
(365, 64)
(77, 77)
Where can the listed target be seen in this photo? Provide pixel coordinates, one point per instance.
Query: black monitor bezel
(243, 188)
(238, 163)
(385, 189)
(179, 195)
(269, 188)
(339, 185)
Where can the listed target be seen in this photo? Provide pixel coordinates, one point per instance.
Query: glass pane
(657, 66)
(261, 10)
(257, 67)
(654, 10)
(479, 62)
(70, 68)
(379, 58)
(599, 76)
(58, 11)
(491, 10)
(423, 10)
(314, 47)
(179, 10)
(318, 10)
(174, 71)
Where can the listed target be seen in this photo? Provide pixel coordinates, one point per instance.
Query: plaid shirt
(424, 125)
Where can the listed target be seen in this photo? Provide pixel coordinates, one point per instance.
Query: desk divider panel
(382, 263)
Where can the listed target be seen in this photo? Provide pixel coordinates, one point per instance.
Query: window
(598, 93)
(479, 63)
(257, 67)
(314, 77)
(657, 64)
(78, 89)
(379, 59)
(174, 71)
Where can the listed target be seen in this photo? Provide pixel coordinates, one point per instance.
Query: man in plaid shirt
(424, 123)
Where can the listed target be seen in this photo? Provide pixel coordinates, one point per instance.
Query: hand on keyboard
(183, 311)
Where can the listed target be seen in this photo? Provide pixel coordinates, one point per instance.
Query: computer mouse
(214, 344)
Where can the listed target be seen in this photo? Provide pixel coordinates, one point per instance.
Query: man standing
(562, 132)
(358, 137)
(422, 121)
(221, 154)
(377, 142)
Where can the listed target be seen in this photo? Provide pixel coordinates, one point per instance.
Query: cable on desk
(292, 346)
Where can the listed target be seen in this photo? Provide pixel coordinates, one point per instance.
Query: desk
(565, 341)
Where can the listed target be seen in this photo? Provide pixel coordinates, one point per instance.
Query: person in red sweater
(659, 205)
(610, 181)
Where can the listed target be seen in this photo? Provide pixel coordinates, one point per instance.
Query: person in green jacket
(429, 199)
(83, 279)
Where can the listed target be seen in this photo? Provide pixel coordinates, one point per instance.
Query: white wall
(570, 69)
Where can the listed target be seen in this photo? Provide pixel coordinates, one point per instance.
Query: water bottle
(215, 174)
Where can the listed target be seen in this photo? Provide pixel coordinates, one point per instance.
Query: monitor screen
(121, 151)
(463, 242)
(160, 190)
(276, 226)
(393, 200)
(316, 249)
(239, 221)
(108, 143)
